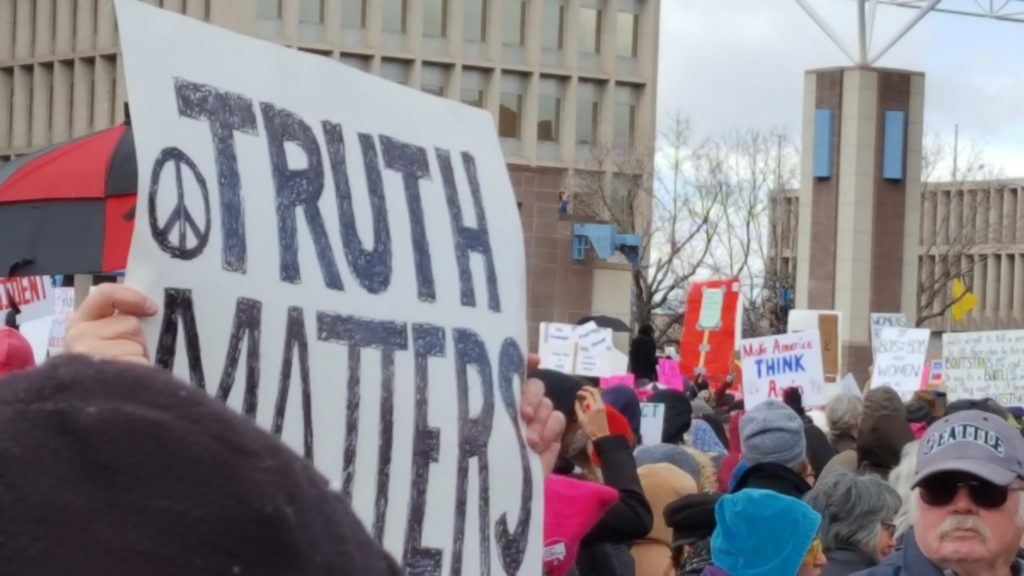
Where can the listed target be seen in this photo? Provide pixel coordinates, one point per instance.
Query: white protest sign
(899, 360)
(849, 385)
(366, 300)
(984, 365)
(774, 363)
(64, 308)
(652, 422)
(881, 321)
(711, 309)
(586, 350)
(32, 294)
(557, 349)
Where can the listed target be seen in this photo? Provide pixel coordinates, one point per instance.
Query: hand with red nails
(591, 413)
(107, 324)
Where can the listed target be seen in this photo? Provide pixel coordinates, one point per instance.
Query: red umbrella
(70, 208)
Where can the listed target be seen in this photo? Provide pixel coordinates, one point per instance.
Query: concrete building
(560, 77)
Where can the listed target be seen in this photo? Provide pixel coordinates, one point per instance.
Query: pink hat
(15, 352)
(571, 508)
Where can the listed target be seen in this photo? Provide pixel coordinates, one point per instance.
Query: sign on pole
(339, 258)
(774, 363)
(984, 365)
(710, 329)
(900, 357)
(882, 321)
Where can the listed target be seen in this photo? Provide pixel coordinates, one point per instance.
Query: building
(561, 78)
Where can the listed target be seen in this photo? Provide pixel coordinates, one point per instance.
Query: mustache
(964, 522)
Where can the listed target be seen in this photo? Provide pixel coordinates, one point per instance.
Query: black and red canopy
(70, 208)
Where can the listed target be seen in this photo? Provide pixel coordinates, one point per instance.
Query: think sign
(774, 363)
(340, 259)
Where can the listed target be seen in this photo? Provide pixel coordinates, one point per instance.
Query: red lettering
(773, 389)
(34, 286)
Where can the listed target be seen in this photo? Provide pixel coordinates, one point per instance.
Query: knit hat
(678, 414)
(571, 508)
(670, 454)
(624, 399)
(762, 533)
(561, 389)
(114, 468)
(692, 518)
(703, 438)
(15, 351)
(772, 432)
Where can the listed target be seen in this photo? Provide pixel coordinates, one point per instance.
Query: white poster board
(774, 363)
(585, 350)
(984, 365)
(652, 422)
(340, 257)
(32, 294)
(64, 308)
(849, 385)
(900, 358)
(882, 321)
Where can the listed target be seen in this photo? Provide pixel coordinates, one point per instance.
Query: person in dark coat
(624, 399)
(692, 519)
(773, 445)
(819, 449)
(643, 354)
(114, 468)
(678, 415)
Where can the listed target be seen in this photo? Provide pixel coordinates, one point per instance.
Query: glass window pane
(553, 24)
(515, 16)
(474, 20)
(311, 11)
(393, 13)
(586, 121)
(627, 34)
(549, 118)
(435, 18)
(625, 122)
(395, 70)
(510, 115)
(435, 90)
(270, 9)
(473, 97)
(353, 14)
(590, 30)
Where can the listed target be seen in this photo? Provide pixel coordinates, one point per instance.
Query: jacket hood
(774, 477)
(881, 441)
(762, 533)
(15, 352)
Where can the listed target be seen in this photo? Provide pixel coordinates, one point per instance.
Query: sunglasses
(941, 490)
(813, 553)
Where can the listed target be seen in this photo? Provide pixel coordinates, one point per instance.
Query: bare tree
(956, 234)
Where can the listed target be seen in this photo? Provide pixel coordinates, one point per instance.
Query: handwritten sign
(900, 359)
(652, 422)
(64, 308)
(774, 363)
(585, 350)
(33, 295)
(669, 375)
(882, 321)
(708, 339)
(338, 257)
(984, 365)
(829, 325)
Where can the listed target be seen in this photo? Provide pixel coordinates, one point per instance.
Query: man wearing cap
(966, 507)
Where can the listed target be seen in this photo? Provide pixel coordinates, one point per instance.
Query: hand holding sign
(107, 324)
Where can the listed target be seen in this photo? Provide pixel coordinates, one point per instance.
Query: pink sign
(621, 379)
(668, 374)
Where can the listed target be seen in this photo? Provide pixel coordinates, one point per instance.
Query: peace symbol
(173, 236)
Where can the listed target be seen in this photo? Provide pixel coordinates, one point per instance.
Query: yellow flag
(964, 300)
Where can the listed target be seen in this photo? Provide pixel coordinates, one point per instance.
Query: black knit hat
(112, 468)
(561, 389)
(692, 518)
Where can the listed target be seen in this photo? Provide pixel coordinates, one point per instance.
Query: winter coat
(714, 571)
(732, 459)
(774, 477)
(707, 482)
(846, 561)
(643, 358)
(843, 442)
(662, 484)
(845, 461)
(819, 449)
(909, 560)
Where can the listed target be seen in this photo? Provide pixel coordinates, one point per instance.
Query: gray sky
(740, 63)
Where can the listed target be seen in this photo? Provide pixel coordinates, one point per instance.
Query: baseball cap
(974, 442)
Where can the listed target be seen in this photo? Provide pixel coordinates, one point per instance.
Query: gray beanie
(668, 454)
(772, 432)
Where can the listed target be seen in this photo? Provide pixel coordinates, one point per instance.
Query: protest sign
(33, 295)
(774, 363)
(849, 385)
(935, 372)
(64, 307)
(829, 325)
(652, 422)
(339, 258)
(669, 375)
(618, 380)
(984, 365)
(709, 335)
(881, 321)
(900, 359)
(585, 350)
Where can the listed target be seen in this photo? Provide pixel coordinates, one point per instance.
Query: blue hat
(762, 533)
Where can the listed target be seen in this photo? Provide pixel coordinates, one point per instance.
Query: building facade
(561, 78)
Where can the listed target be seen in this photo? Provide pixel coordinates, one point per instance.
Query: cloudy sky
(740, 63)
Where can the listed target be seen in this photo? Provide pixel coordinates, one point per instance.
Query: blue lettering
(760, 364)
(798, 363)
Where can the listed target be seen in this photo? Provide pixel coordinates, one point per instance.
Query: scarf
(698, 560)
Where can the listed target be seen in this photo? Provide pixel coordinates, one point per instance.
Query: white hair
(843, 411)
(902, 479)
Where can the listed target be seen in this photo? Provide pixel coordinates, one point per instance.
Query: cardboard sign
(984, 365)
(652, 422)
(32, 294)
(829, 325)
(709, 334)
(339, 258)
(881, 321)
(774, 363)
(900, 360)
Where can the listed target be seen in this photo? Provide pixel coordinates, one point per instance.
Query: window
(628, 27)
(395, 70)
(510, 113)
(393, 13)
(353, 14)
(434, 80)
(474, 87)
(549, 109)
(355, 61)
(513, 22)
(473, 97)
(590, 30)
(626, 100)
(553, 25)
(311, 11)
(269, 9)
(588, 112)
(474, 19)
(435, 18)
